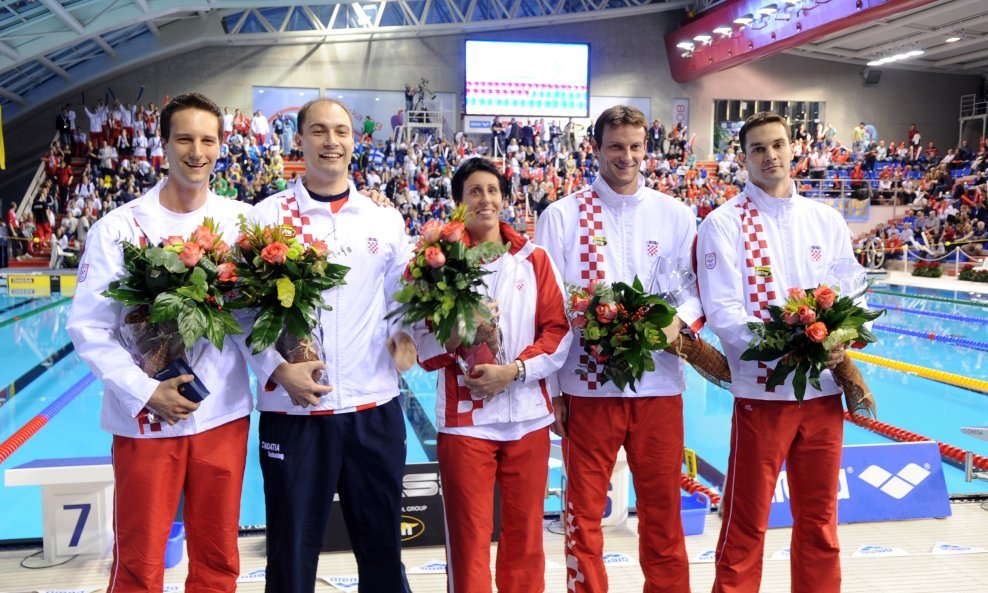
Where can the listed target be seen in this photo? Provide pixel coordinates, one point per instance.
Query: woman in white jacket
(494, 424)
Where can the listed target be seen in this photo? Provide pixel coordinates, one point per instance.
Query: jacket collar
(768, 204)
(613, 199)
(145, 208)
(305, 201)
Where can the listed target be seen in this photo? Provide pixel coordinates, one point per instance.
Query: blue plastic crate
(694, 510)
(173, 551)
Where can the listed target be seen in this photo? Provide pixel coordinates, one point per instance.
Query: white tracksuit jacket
(634, 228)
(535, 330)
(95, 319)
(796, 229)
(372, 241)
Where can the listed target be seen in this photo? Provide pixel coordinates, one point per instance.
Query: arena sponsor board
(422, 517)
(22, 285)
(886, 482)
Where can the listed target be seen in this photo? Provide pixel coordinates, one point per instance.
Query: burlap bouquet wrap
(857, 396)
(153, 346)
(708, 361)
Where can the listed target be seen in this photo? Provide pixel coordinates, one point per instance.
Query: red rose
(817, 332)
(452, 232)
(824, 297)
(797, 294)
(275, 253)
(434, 257)
(191, 254)
(606, 312)
(790, 318)
(431, 231)
(806, 314)
(243, 242)
(204, 237)
(579, 303)
(319, 248)
(226, 272)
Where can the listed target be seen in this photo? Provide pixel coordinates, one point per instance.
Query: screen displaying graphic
(527, 79)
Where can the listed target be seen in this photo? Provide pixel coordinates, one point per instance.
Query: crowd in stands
(121, 156)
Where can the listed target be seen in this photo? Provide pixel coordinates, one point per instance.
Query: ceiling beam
(73, 23)
(53, 67)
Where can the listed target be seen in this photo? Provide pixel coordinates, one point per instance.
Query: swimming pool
(927, 407)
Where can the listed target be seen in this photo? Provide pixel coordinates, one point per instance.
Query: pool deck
(918, 572)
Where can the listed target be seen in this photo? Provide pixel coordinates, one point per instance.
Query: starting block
(76, 503)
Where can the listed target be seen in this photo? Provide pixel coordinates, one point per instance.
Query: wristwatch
(521, 370)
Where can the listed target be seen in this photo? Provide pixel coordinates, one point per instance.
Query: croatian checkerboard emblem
(652, 247)
(372, 245)
(815, 252)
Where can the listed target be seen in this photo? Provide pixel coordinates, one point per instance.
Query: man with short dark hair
(750, 252)
(345, 435)
(613, 231)
(163, 443)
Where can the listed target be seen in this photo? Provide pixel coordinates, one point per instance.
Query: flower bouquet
(442, 285)
(928, 269)
(802, 333)
(622, 326)
(284, 280)
(178, 290)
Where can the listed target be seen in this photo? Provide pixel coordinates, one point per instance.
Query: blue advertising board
(887, 482)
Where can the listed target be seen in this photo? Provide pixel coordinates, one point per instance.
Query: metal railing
(970, 106)
(838, 194)
(32, 189)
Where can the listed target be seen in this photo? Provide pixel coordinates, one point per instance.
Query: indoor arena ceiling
(49, 48)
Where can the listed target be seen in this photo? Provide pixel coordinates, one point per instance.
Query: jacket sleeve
(94, 320)
(690, 311)
(394, 272)
(432, 355)
(721, 282)
(552, 332)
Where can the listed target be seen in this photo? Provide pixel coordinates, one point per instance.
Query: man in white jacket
(164, 444)
(750, 252)
(348, 434)
(612, 231)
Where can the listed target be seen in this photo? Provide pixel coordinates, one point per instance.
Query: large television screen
(527, 79)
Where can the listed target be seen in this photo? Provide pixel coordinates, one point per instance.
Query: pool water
(927, 407)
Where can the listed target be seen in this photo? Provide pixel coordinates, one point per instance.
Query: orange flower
(204, 237)
(817, 332)
(434, 257)
(431, 231)
(226, 272)
(191, 254)
(452, 232)
(275, 253)
(825, 297)
(806, 314)
(319, 248)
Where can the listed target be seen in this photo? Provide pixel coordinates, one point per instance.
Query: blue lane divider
(964, 318)
(930, 336)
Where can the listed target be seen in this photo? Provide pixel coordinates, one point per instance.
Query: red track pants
(150, 476)
(651, 431)
(469, 468)
(763, 434)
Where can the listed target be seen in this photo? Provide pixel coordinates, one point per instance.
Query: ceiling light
(687, 45)
(875, 63)
(743, 20)
(768, 9)
(704, 38)
(723, 30)
(914, 53)
(952, 39)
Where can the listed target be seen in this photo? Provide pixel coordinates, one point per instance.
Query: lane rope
(931, 336)
(948, 452)
(32, 427)
(51, 305)
(926, 373)
(935, 314)
(929, 298)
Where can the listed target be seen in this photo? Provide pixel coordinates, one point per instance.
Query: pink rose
(592, 287)
(452, 232)
(790, 317)
(596, 351)
(824, 297)
(204, 237)
(191, 254)
(226, 272)
(174, 240)
(817, 332)
(407, 274)
(275, 253)
(606, 312)
(431, 231)
(221, 250)
(319, 248)
(806, 314)
(579, 303)
(579, 322)
(243, 242)
(434, 257)
(797, 294)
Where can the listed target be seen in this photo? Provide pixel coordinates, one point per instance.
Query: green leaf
(192, 323)
(799, 380)
(167, 306)
(267, 327)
